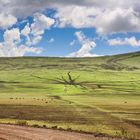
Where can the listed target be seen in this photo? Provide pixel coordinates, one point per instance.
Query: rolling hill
(96, 95)
(129, 61)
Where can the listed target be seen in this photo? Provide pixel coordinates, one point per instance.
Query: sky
(69, 28)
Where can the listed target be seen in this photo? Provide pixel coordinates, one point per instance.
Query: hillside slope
(97, 95)
(129, 61)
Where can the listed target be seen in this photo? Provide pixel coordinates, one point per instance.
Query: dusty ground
(12, 132)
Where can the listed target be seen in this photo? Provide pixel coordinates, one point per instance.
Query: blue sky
(68, 28)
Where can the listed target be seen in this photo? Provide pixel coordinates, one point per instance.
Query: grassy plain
(105, 97)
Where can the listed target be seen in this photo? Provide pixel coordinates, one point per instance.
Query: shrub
(22, 123)
(44, 126)
(36, 125)
(54, 127)
(69, 129)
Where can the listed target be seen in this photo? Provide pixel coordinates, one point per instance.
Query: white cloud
(34, 32)
(117, 21)
(16, 51)
(132, 41)
(12, 47)
(41, 22)
(105, 21)
(72, 43)
(26, 31)
(107, 16)
(27, 7)
(51, 40)
(15, 45)
(22, 50)
(87, 46)
(36, 39)
(7, 20)
(38, 27)
(12, 35)
(76, 16)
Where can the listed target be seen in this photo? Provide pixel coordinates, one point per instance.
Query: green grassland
(103, 98)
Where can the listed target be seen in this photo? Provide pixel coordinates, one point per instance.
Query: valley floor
(97, 95)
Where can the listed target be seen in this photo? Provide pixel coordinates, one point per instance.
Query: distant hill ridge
(129, 61)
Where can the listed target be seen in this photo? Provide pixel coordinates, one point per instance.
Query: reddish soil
(13, 132)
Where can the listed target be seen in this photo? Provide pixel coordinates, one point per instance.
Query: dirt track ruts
(13, 132)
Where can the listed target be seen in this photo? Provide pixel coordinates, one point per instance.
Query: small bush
(44, 126)
(22, 123)
(124, 134)
(36, 125)
(69, 129)
(54, 127)
(60, 128)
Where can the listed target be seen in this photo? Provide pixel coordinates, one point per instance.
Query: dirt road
(12, 132)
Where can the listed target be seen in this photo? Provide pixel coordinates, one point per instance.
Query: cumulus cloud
(117, 21)
(38, 27)
(28, 7)
(26, 31)
(12, 35)
(105, 21)
(7, 20)
(107, 16)
(132, 41)
(76, 16)
(87, 46)
(16, 51)
(11, 46)
(14, 45)
(41, 22)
